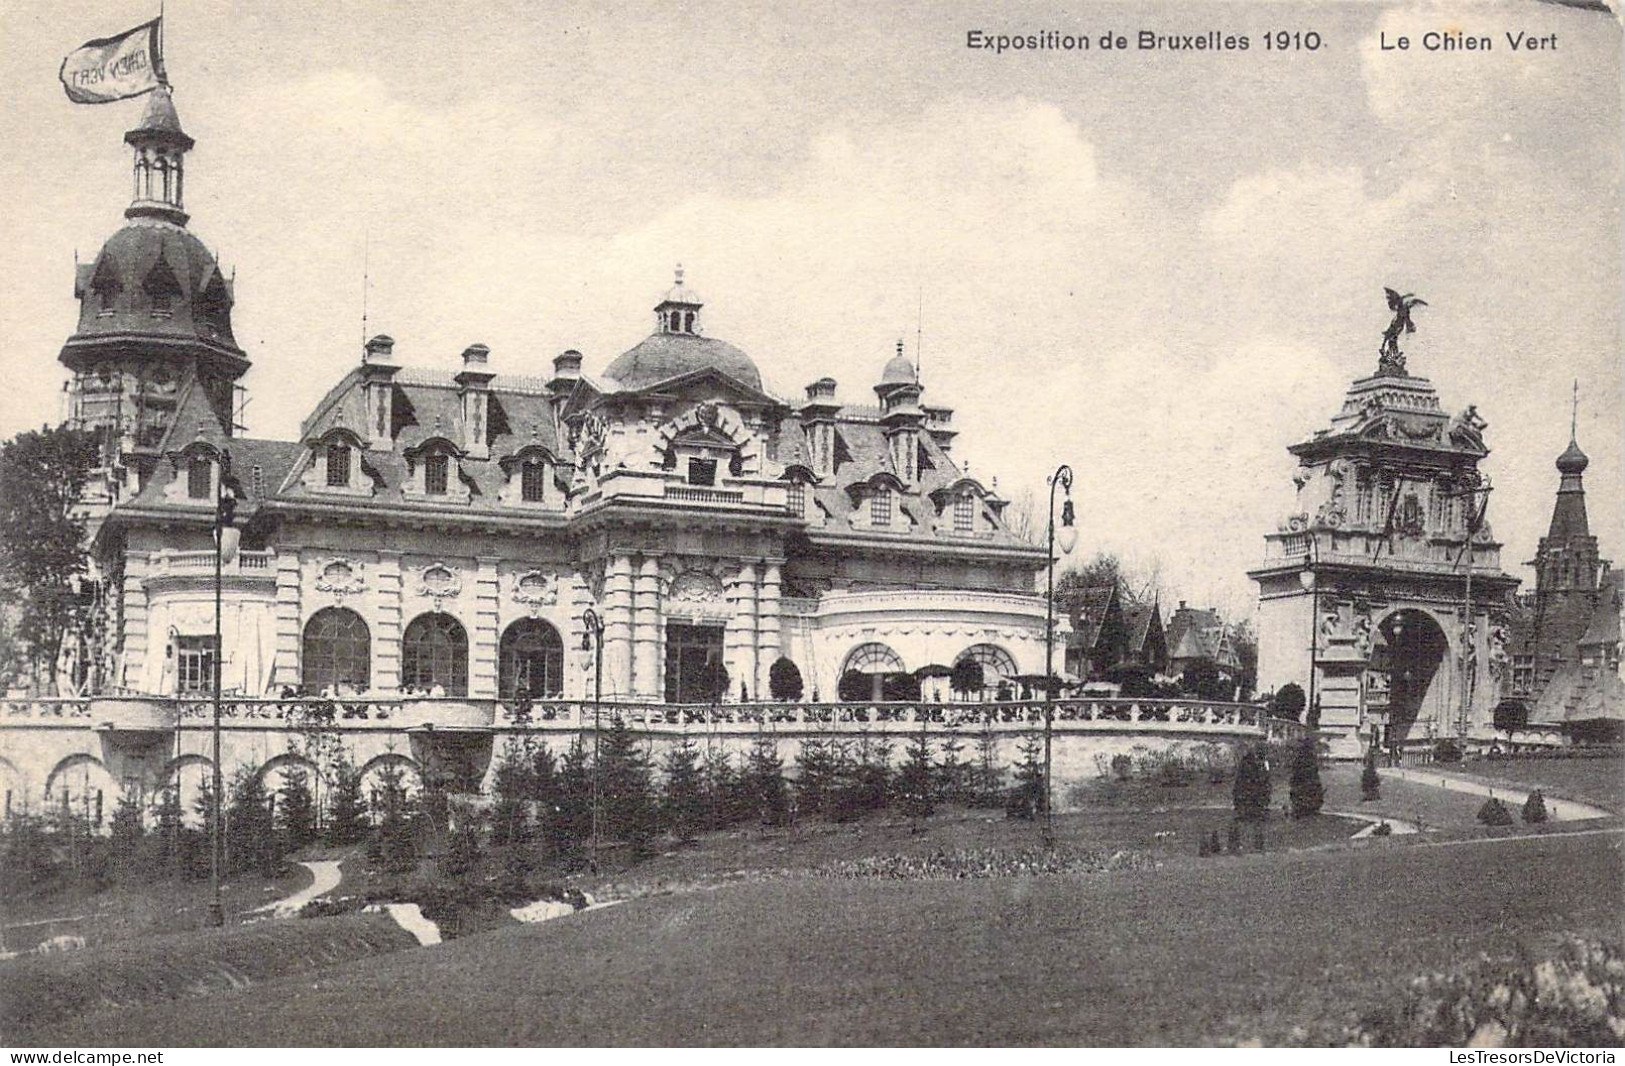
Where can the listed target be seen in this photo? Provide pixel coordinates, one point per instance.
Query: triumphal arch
(1381, 593)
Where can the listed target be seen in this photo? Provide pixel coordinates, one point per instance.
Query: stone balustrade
(453, 713)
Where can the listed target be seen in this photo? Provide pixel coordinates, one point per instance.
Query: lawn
(1197, 952)
(1592, 780)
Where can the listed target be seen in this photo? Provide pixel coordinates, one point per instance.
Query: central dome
(155, 278)
(663, 356)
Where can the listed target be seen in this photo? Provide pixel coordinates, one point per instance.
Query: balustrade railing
(363, 712)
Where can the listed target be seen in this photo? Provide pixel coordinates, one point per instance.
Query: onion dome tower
(154, 344)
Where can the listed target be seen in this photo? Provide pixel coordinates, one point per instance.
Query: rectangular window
(880, 509)
(533, 482)
(199, 479)
(194, 664)
(338, 465)
(702, 471)
(436, 473)
(964, 514)
(795, 498)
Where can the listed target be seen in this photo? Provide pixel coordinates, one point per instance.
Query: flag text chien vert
(115, 68)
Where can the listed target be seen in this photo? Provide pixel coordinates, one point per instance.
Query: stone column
(386, 622)
(646, 673)
(287, 621)
(133, 660)
(739, 647)
(482, 652)
(618, 627)
(767, 628)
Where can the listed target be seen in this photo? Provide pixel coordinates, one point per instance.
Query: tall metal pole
(1314, 625)
(1062, 476)
(217, 908)
(595, 626)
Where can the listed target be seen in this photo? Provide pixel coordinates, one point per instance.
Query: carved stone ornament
(535, 589)
(341, 577)
(439, 582)
(695, 587)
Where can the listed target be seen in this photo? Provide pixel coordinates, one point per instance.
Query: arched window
(875, 661)
(997, 664)
(434, 652)
(531, 661)
(688, 322)
(337, 651)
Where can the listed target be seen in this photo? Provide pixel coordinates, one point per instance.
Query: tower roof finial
(1574, 414)
(678, 274)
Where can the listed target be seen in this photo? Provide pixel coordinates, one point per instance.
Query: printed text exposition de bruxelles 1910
(1452, 40)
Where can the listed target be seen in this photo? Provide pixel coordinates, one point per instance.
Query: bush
(784, 681)
(1251, 792)
(1383, 830)
(1576, 999)
(1534, 808)
(1122, 766)
(1447, 750)
(1370, 783)
(1306, 791)
(1494, 812)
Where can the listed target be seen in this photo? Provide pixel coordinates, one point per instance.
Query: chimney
(822, 389)
(378, 350)
(378, 373)
(475, 382)
(566, 367)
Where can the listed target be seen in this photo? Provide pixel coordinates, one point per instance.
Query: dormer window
(533, 481)
(795, 498)
(199, 478)
(965, 514)
(162, 288)
(338, 465)
(436, 473)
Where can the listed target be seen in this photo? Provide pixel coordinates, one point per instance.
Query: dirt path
(1558, 810)
(325, 877)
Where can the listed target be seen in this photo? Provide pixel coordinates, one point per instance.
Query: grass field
(1599, 780)
(1200, 951)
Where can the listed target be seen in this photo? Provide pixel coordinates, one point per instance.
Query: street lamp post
(1069, 539)
(1310, 581)
(226, 538)
(592, 637)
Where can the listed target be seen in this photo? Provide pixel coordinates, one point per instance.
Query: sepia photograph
(727, 524)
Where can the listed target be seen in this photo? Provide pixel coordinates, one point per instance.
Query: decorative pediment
(961, 487)
(433, 444)
(859, 490)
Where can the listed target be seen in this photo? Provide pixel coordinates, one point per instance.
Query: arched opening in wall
(1408, 659)
(14, 791)
(867, 672)
(998, 671)
(531, 661)
(336, 653)
(389, 783)
(81, 794)
(434, 656)
(298, 791)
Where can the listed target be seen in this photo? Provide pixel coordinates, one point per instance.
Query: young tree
(346, 805)
(42, 539)
(967, 678)
(513, 789)
(571, 827)
(682, 798)
(296, 809)
(815, 776)
(251, 834)
(988, 787)
(722, 791)
(396, 837)
(916, 787)
(1026, 799)
(1251, 790)
(764, 782)
(784, 680)
(1370, 783)
(1288, 702)
(626, 789)
(1305, 790)
(171, 821)
(127, 839)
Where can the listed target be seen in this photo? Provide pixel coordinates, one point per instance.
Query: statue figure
(1391, 361)
(1362, 635)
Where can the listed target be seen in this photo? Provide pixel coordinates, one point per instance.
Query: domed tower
(154, 331)
(901, 415)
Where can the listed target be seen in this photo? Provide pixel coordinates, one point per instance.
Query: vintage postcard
(741, 524)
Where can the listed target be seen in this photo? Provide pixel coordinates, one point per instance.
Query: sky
(1158, 267)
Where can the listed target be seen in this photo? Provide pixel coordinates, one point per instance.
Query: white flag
(114, 68)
